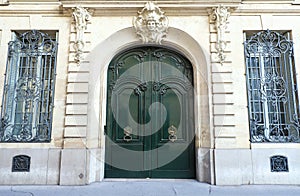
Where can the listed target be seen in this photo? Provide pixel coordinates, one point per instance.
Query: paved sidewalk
(150, 188)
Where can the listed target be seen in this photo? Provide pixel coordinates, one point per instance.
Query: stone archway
(99, 61)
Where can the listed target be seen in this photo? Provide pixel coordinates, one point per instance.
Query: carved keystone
(151, 24)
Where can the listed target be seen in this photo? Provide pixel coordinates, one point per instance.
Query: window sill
(274, 145)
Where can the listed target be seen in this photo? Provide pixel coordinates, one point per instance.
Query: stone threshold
(147, 180)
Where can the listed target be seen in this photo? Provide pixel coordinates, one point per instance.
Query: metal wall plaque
(21, 163)
(279, 163)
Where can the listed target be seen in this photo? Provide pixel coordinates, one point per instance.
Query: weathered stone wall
(45, 157)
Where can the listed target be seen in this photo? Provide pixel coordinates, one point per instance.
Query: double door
(150, 116)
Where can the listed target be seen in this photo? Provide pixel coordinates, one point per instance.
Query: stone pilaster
(73, 160)
(222, 78)
(77, 88)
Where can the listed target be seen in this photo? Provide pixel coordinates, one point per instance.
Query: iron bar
(271, 85)
(26, 114)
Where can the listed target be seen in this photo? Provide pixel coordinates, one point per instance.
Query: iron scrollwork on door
(172, 133)
(160, 87)
(141, 88)
(127, 134)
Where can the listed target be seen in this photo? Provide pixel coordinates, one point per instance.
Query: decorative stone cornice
(220, 17)
(81, 16)
(151, 24)
(128, 8)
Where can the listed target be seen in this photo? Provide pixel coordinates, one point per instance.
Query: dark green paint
(164, 88)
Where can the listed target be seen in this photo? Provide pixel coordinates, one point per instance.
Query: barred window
(271, 83)
(28, 94)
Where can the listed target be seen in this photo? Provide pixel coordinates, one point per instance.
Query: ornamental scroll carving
(81, 16)
(151, 24)
(220, 17)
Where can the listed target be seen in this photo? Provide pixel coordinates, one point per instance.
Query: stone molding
(151, 24)
(128, 8)
(4, 2)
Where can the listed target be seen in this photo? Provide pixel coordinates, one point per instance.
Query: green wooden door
(150, 115)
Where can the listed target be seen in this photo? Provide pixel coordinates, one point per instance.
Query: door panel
(150, 116)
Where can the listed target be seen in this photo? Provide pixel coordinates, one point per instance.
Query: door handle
(172, 133)
(127, 134)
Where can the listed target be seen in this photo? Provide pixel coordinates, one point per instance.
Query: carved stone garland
(81, 16)
(151, 24)
(220, 16)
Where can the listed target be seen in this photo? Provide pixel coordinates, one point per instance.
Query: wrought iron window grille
(273, 102)
(28, 94)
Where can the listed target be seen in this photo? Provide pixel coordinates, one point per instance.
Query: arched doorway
(150, 115)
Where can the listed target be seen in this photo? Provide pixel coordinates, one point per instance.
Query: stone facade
(211, 38)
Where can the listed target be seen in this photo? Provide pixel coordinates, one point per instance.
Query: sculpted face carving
(151, 24)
